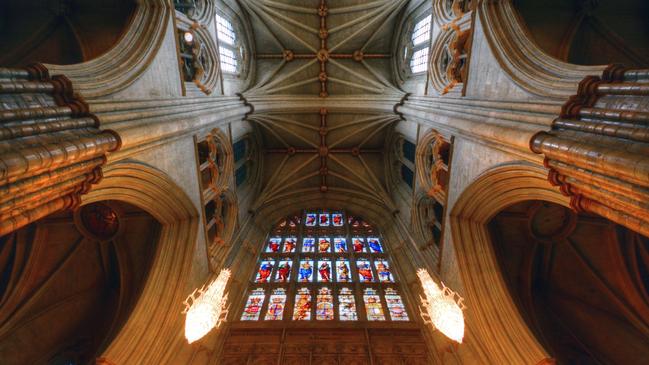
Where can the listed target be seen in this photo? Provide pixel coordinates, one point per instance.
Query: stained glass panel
(324, 271)
(311, 220)
(373, 306)
(306, 271)
(395, 305)
(383, 271)
(343, 274)
(264, 271)
(374, 244)
(340, 244)
(325, 305)
(253, 306)
(324, 244)
(308, 244)
(289, 244)
(276, 305)
(337, 219)
(302, 311)
(359, 244)
(324, 220)
(364, 268)
(273, 244)
(347, 305)
(283, 271)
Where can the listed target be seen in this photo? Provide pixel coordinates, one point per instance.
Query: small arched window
(421, 44)
(242, 160)
(229, 50)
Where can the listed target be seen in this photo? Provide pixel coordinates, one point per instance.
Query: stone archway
(492, 315)
(154, 328)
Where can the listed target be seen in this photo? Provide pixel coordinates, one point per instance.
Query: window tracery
(215, 166)
(197, 57)
(243, 151)
(433, 160)
(420, 44)
(320, 266)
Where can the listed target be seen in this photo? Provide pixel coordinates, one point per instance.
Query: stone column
(51, 147)
(598, 149)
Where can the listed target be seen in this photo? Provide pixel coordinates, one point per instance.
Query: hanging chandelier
(206, 308)
(442, 307)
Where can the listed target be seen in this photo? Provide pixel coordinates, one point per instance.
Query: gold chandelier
(442, 307)
(206, 308)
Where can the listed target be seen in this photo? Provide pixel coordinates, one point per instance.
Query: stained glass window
(302, 311)
(276, 305)
(324, 310)
(395, 305)
(347, 305)
(253, 306)
(373, 306)
(318, 266)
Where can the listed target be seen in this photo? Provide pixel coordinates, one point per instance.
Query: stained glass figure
(347, 305)
(311, 220)
(289, 244)
(324, 310)
(337, 219)
(395, 305)
(308, 244)
(274, 244)
(383, 271)
(342, 271)
(283, 271)
(364, 271)
(340, 244)
(265, 269)
(324, 244)
(253, 306)
(306, 271)
(324, 220)
(359, 244)
(373, 306)
(276, 305)
(302, 310)
(324, 271)
(375, 244)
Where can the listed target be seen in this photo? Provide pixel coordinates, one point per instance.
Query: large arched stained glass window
(324, 266)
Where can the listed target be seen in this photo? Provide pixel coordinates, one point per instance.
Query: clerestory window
(228, 47)
(420, 44)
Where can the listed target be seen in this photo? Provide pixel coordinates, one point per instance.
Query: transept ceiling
(321, 50)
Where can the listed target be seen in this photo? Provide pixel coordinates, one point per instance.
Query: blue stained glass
(239, 150)
(289, 244)
(241, 174)
(364, 271)
(306, 271)
(311, 220)
(374, 244)
(308, 244)
(337, 219)
(359, 244)
(340, 244)
(409, 150)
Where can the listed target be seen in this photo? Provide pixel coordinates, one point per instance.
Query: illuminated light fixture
(188, 37)
(441, 309)
(206, 308)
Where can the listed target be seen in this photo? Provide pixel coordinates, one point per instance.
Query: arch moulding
(155, 324)
(492, 315)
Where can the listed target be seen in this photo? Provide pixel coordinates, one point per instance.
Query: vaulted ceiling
(319, 50)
